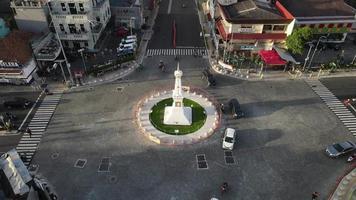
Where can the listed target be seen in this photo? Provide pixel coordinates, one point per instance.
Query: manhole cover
(80, 163)
(54, 155)
(228, 153)
(202, 165)
(112, 179)
(105, 160)
(201, 157)
(229, 160)
(104, 167)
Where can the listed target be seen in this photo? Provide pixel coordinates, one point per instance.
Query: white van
(129, 37)
(128, 41)
(126, 47)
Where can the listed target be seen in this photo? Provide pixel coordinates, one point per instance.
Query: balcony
(26, 4)
(47, 48)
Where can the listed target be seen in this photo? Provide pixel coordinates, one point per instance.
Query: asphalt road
(7, 92)
(343, 88)
(279, 153)
(187, 24)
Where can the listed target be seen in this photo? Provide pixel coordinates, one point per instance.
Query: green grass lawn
(198, 117)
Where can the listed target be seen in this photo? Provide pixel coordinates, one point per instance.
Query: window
(63, 6)
(349, 25)
(72, 8)
(279, 27)
(86, 44)
(340, 25)
(81, 7)
(302, 25)
(267, 27)
(61, 27)
(98, 19)
(72, 28)
(311, 25)
(82, 28)
(321, 25)
(66, 43)
(330, 25)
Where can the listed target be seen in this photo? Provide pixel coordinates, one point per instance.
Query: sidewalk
(346, 189)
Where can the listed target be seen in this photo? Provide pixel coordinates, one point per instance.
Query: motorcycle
(162, 66)
(351, 158)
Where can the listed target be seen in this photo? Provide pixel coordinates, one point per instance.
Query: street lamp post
(316, 48)
(307, 57)
(81, 53)
(60, 44)
(131, 19)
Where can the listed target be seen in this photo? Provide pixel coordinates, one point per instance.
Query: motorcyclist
(224, 187)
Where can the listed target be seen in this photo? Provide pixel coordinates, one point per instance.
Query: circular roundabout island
(179, 116)
(157, 117)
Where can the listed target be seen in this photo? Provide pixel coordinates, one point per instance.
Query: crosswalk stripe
(178, 52)
(334, 104)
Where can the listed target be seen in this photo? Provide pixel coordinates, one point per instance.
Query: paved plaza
(279, 153)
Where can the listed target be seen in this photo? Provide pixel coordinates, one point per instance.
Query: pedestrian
(29, 132)
(222, 108)
(315, 195)
(224, 188)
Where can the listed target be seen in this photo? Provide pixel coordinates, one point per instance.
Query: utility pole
(60, 44)
(81, 53)
(307, 57)
(316, 48)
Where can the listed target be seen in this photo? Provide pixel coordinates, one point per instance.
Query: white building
(79, 23)
(30, 16)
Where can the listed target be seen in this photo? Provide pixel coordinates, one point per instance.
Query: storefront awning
(285, 55)
(271, 57)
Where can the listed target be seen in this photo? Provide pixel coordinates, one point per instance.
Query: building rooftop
(15, 47)
(317, 8)
(251, 11)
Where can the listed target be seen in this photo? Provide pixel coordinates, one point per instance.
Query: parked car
(126, 47)
(235, 108)
(341, 148)
(229, 139)
(17, 103)
(125, 52)
(122, 32)
(209, 77)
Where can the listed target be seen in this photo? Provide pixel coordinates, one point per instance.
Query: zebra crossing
(38, 124)
(178, 52)
(334, 104)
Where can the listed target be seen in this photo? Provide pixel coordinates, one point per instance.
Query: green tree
(295, 42)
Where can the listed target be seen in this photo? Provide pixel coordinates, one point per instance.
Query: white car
(131, 37)
(229, 139)
(126, 47)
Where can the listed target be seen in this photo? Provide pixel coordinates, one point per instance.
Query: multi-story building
(248, 26)
(30, 15)
(17, 65)
(128, 13)
(79, 24)
(333, 18)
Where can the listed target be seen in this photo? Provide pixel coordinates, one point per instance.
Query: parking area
(279, 152)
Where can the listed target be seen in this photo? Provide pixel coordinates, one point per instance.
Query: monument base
(177, 115)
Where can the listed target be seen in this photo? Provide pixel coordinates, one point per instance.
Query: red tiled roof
(249, 36)
(15, 47)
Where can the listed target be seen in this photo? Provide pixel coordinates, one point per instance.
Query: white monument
(177, 114)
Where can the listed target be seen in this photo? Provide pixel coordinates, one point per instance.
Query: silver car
(341, 148)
